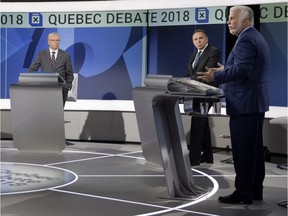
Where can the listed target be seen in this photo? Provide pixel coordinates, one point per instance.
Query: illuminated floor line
(124, 155)
(202, 198)
(116, 176)
(79, 151)
(8, 148)
(87, 152)
(78, 160)
(93, 158)
(165, 209)
(91, 152)
(168, 209)
(128, 153)
(198, 176)
(178, 208)
(233, 175)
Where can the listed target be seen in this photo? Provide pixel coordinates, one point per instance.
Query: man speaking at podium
(245, 79)
(55, 60)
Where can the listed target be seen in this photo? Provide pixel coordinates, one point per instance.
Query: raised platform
(128, 106)
(115, 121)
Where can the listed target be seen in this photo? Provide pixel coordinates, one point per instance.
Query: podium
(37, 113)
(162, 134)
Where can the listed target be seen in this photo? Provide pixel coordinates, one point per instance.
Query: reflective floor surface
(109, 179)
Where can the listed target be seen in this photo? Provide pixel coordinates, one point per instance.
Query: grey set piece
(161, 130)
(37, 113)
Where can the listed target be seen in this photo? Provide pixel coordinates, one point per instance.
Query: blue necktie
(197, 59)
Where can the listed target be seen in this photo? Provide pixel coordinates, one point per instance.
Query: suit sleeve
(239, 63)
(36, 64)
(214, 58)
(69, 72)
(190, 60)
(212, 62)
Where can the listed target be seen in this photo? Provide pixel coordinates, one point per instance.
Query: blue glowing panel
(133, 63)
(96, 54)
(104, 47)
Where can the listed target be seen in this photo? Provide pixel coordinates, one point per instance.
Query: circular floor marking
(24, 178)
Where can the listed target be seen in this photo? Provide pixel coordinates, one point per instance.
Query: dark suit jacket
(210, 57)
(246, 73)
(63, 65)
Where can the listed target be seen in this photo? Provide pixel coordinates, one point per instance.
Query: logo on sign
(35, 19)
(202, 15)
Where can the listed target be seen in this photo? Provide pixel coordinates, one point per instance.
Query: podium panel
(143, 98)
(37, 118)
(161, 129)
(163, 139)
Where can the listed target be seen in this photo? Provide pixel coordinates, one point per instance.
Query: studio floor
(111, 179)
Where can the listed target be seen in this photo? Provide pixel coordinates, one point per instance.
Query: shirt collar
(202, 50)
(56, 51)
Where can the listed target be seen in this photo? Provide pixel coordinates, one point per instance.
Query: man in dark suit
(200, 138)
(246, 92)
(55, 60)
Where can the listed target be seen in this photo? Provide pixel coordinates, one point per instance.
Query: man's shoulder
(63, 52)
(213, 48)
(249, 34)
(44, 51)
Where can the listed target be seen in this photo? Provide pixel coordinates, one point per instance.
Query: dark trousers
(200, 139)
(64, 95)
(248, 153)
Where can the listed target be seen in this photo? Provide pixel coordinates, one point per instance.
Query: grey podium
(37, 113)
(161, 129)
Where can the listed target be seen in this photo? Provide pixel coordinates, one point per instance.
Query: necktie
(53, 60)
(197, 58)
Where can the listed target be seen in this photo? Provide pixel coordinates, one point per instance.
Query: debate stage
(94, 178)
(110, 177)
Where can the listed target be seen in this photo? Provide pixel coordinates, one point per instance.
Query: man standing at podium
(245, 84)
(55, 60)
(200, 138)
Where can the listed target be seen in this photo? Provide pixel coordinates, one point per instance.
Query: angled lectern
(37, 113)
(161, 129)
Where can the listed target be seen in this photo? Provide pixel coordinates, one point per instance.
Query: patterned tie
(53, 60)
(197, 59)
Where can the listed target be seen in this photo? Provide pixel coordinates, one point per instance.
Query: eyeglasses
(53, 40)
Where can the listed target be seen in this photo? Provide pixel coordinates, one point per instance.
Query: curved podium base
(163, 139)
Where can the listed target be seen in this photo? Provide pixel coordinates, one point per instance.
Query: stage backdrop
(112, 51)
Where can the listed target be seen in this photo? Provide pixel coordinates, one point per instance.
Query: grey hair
(245, 12)
(52, 33)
